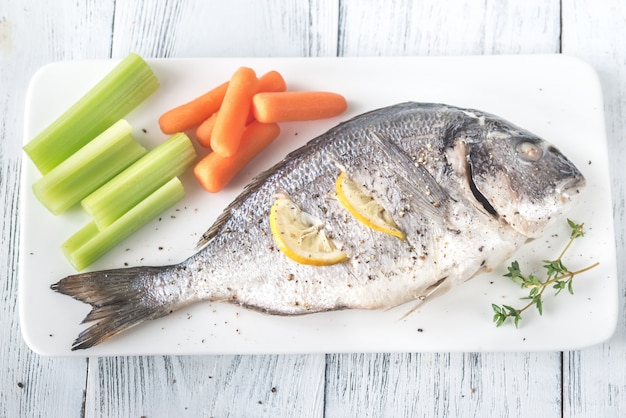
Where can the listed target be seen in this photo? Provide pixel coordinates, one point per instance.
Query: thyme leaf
(557, 276)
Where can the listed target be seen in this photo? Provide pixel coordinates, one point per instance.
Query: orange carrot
(271, 81)
(215, 171)
(193, 113)
(203, 132)
(231, 118)
(274, 107)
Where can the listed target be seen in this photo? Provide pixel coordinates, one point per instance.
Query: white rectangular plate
(554, 96)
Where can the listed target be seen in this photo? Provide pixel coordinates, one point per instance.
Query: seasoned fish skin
(466, 187)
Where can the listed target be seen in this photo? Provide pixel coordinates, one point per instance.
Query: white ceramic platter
(556, 97)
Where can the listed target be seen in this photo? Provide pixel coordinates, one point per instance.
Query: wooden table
(586, 383)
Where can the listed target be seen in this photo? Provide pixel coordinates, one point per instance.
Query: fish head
(518, 177)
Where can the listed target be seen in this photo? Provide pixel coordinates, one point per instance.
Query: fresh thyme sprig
(557, 275)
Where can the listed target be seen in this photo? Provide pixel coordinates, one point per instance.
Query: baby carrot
(297, 106)
(193, 113)
(231, 118)
(203, 132)
(215, 171)
(270, 81)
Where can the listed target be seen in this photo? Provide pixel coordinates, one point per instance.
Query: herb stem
(557, 276)
(570, 274)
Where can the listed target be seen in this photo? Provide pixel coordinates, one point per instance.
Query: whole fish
(467, 189)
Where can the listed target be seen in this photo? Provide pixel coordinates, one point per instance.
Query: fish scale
(449, 177)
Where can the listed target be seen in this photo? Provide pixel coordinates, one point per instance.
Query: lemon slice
(362, 205)
(300, 236)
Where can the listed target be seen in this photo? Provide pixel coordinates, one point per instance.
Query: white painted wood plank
(219, 386)
(33, 33)
(441, 385)
(448, 27)
(457, 384)
(595, 378)
(237, 28)
(31, 36)
(238, 386)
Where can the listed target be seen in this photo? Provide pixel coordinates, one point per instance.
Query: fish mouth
(569, 192)
(571, 187)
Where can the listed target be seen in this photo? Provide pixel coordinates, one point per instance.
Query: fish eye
(529, 152)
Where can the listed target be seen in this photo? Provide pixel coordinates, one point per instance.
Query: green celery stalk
(111, 99)
(89, 168)
(170, 159)
(90, 243)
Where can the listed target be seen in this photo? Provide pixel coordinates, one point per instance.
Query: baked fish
(396, 205)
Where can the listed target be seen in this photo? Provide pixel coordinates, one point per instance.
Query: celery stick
(171, 158)
(79, 239)
(111, 99)
(89, 243)
(89, 168)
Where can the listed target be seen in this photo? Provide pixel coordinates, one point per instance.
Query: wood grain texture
(246, 386)
(595, 378)
(586, 383)
(31, 36)
(214, 386)
(448, 27)
(441, 385)
(198, 29)
(447, 384)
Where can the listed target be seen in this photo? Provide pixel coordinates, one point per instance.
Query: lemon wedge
(300, 236)
(362, 205)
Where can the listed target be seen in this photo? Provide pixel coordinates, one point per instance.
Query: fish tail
(120, 300)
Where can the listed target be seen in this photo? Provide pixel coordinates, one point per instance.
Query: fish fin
(214, 229)
(410, 311)
(427, 194)
(119, 300)
(437, 289)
